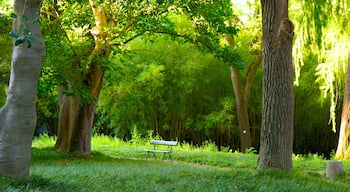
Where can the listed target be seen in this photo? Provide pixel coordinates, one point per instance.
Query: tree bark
(242, 109)
(18, 115)
(276, 141)
(81, 133)
(343, 149)
(68, 111)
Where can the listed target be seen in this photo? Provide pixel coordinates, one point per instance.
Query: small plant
(332, 154)
(136, 137)
(209, 146)
(251, 151)
(43, 141)
(152, 137)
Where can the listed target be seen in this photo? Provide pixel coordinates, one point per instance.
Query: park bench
(165, 152)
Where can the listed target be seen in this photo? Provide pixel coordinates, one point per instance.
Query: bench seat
(163, 151)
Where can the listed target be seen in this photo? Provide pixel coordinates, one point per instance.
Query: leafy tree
(276, 143)
(322, 32)
(336, 59)
(18, 115)
(116, 24)
(171, 89)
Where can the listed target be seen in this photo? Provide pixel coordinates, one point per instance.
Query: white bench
(165, 152)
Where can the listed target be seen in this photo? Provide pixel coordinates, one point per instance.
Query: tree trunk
(343, 150)
(242, 109)
(242, 89)
(276, 141)
(68, 111)
(77, 112)
(81, 134)
(18, 115)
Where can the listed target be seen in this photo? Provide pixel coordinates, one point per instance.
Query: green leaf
(171, 1)
(27, 32)
(13, 34)
(25, 18)
(20, 39)
(13, 15)
(36, 20)
(30, 41)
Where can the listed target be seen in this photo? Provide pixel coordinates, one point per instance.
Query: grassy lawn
(119, 166)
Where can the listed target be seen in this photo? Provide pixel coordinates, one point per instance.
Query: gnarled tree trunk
(77, 112)
(276, 139)
(18, 115)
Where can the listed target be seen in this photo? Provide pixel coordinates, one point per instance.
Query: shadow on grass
(36, 183)
(51, 155)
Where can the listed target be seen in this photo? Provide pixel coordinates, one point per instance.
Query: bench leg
(169, 154)
(163, 157)
(171, 159)
(154, 155)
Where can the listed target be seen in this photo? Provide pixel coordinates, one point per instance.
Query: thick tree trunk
(76, 115)
(77, 112)
(68, 111)
(343, 150)
(81, 134)
(18, 115)
(276, 141)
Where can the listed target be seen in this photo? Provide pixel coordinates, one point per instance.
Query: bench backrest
(159, 142)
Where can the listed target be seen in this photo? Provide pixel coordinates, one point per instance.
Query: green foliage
(319, 31)
(312, 114)
(154, 82)
(21, 33)
(157, 84)
(247, 43)
(47, 100)
(6, 50)
(126, 21)
(5, 19)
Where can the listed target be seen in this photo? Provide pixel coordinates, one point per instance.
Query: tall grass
(115, 165)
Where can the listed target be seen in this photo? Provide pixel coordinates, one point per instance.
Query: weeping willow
(321, 30)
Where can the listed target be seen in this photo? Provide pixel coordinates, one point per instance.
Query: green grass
(120, 166)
